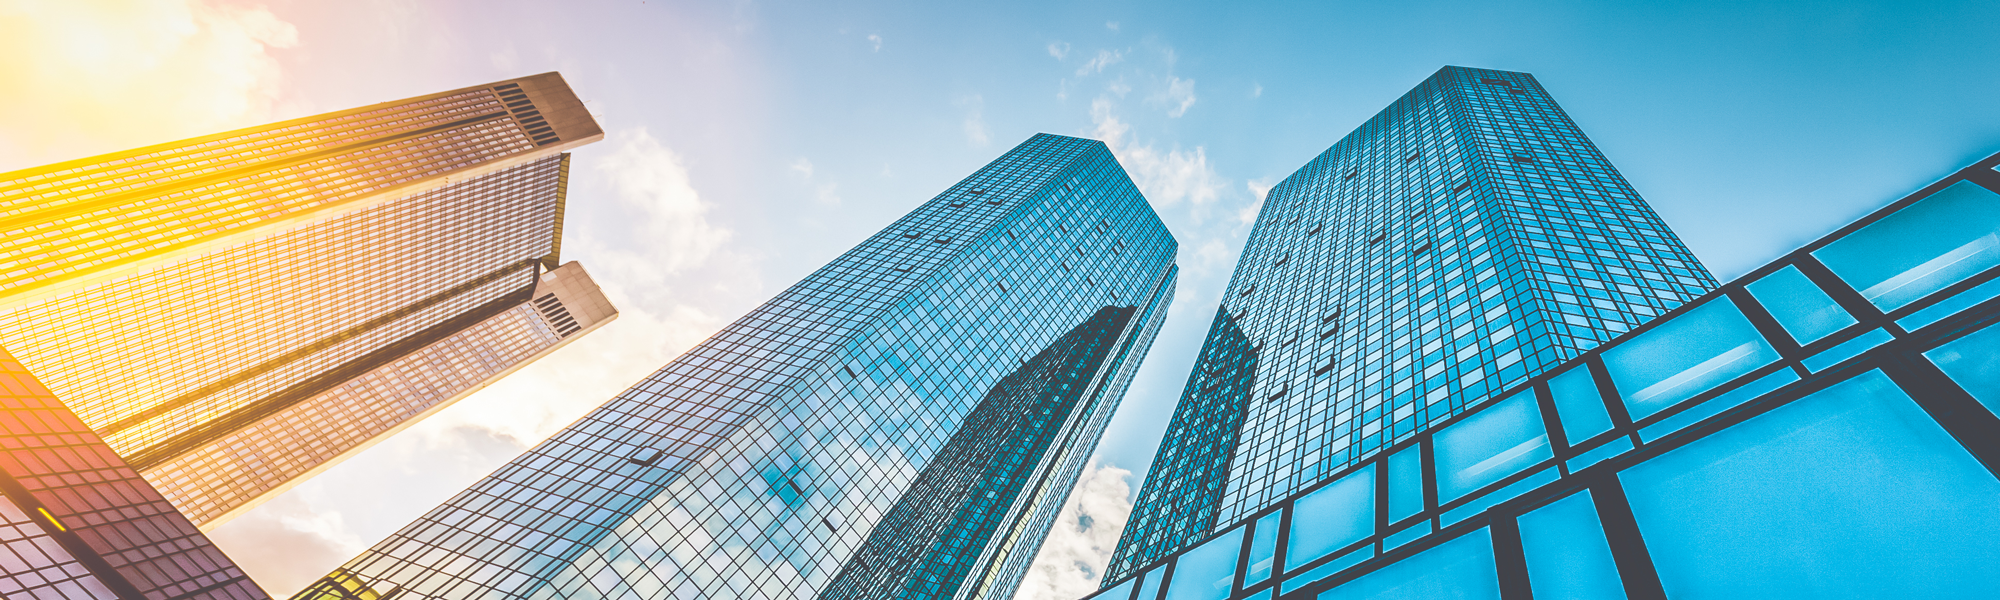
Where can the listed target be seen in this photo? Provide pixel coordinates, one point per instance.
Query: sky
(749, 142)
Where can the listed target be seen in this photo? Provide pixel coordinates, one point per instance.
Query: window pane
(1461, 569)
(1406, 483)
(1579, 405)
(1852, 492)
(1926, 247)
(1263, 549)
(1489, 446)
(1566, 551)
(1150, 588)
(1696, 351)
(1332, 518)
(1122, 591)
(1974, 362)
(1805, 311)
(1207, 571)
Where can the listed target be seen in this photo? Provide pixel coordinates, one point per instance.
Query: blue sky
(750, 142)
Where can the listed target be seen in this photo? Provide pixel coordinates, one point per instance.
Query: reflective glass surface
(1850, 492)
(1406, 483)
(1263, 549)
(1676, 360)
(1973, 362)
(1208, 571)
(1489, 446)
(1579, 405)
(1460, 569)
(1938, 241)
(1467, 237)
(1332, 518)
(1568, 557)
(1804, 310)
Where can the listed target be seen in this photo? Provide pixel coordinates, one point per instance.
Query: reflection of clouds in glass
(1079, 545)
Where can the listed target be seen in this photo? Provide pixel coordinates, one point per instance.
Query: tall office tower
(791, 453)
(1822, 427)
(230, 313)
(1463, 239)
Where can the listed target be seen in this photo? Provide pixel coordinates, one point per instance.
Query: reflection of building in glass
(231, 313)
(929, 544)
(1465, 238)
(759, 463)
(1821, 427)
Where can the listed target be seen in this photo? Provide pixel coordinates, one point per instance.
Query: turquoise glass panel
(1490, 445)
(1846, 350)
(1938, 241)
(1689, 355)
(1715, 406)
(1804, 310)
(1568, 557)
(1263, 548)
(1851, 492)
(1461, 569)
(1332, 518)
(1406, 483)
(1950, 306)
(1122, 591)
(1579, 405)
(1150, 588)
(1974, 362)
(1328, 569)
(1207, 571)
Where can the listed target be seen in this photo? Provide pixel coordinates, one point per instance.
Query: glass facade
(1466, 238)
(274, 297)
(904, 422)
(1738, 462)
(224, 315)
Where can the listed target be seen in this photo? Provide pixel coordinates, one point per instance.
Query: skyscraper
(1823, 427)
(1467, 237)
(228, 314)
(815, 445)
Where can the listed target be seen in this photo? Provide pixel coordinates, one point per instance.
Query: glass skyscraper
(1823, 427)
(904, 422)
(1462, 240)
(223, 316)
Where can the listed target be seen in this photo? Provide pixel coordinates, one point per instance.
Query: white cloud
(1096, 64)
(287, 543)
(975, 120)
(115, 74)
(1079, 546)
(1179, 96)
(1256, 90)
(650, 180)
(876, 40)
(1167, 178)
(826, 193)
(1059, 50)
(1260, 190)
(1111, 25)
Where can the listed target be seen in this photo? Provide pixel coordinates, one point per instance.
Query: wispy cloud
(1179, 96)
(651, 180)
(876, 40)
(1104, 58)
(1256, 90)
(1166, 177)
(825, 193)
(102, 76)
(975, 119)
(1111, 25)
(287, 543)
(1059, 50)
(1079, 546)
(1260, 189)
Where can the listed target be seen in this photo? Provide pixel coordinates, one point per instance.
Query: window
(1696, 351)
(1461, 569)
(1805, 311)
(1925, 247)
(1566, 551)
(1749, 512)
(1332, 517)
(1208, 571)
(1490, 445)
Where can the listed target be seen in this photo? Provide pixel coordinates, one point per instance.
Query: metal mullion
(1628, 548)
(1509, 558)
(1964, 417)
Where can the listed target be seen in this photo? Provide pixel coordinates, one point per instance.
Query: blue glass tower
(1822, 427)
(1467, 237)
(904, 422)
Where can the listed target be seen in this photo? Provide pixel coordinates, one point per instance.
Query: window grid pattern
(225, 476)
(62, 477)
(756, 464)
(1463, 239)
(201, 327)
(1857, 519)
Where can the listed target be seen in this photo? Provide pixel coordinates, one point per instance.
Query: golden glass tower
(229, 314)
